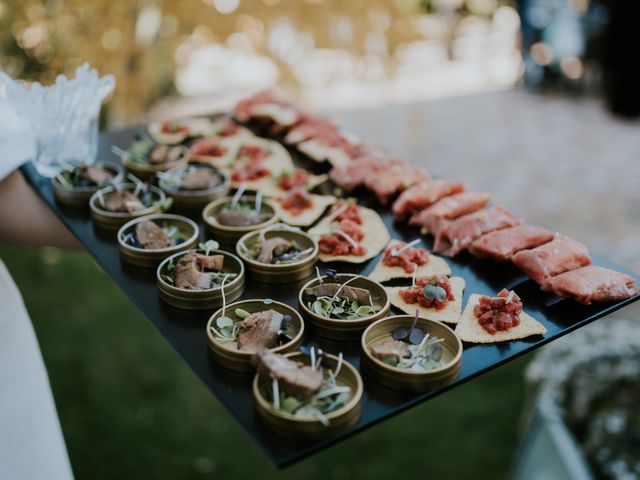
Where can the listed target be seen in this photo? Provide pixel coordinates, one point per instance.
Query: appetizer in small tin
(75, 185)
(144, 158)
(496, 319)
(113, 206)
(350, 233)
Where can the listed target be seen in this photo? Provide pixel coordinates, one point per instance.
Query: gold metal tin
(402, 379)
(227, 235)
(227, 353)
(114, 220)
(195, 200)
(79, 196)
(142, 257)
(282, 273)
(202, 299)
(146, 172)
(345, 329)
(289, 425)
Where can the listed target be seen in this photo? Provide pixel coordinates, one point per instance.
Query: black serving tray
(185, 331)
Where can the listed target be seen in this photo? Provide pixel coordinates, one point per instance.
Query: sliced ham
(448, 208)
(95, 175)
(151, 236)
(558, 256)
(501, 245)
(268, 105)
(309, 127)
(423, 195)
(459, 234)
(353, 175)
(293, 378)
(395, 179)
(259, 330)
(592, 284)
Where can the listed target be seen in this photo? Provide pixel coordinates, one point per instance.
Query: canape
(278, 254)
(229, 218)
(113, 206)
(75, 185)
(306, 395)
(144, 159)
(201, 279)
(409, 352)
(238, 330)
(147, 240)
(172, 132)
(341, 306)
(194, 185)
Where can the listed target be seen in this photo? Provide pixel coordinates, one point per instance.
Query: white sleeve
(17, 142)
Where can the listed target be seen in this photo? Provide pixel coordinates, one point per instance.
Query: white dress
(31, 441)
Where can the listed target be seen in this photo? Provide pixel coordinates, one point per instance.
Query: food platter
(185, 330)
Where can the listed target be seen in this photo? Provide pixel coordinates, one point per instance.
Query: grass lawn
(130, 408)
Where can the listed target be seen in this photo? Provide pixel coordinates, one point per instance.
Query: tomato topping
(296, 201)
(169, 126)
(249, 171)
(405, 257)
(204, 147)
(298, 178)
(351, 212)
(429, 292)
(337, 244)
(498, 313)
(229, 127)
(253, 153)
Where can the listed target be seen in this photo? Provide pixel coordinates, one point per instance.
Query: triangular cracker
(198, 126)
(470, 330)
(435, 266)
(449, 314)
(319, 152)
(319, 204)
(376, 237)
(278, 162)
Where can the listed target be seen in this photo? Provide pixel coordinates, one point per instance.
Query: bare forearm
(25, 219)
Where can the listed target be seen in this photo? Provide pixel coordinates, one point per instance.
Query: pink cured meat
(501, 245)
(592, 284)
(370, 160)
(249, 108)
(449, 208)
(558, 256)
(460, 233)
(395, 179)
(424, 194)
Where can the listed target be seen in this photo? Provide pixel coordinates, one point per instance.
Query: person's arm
(25, 219)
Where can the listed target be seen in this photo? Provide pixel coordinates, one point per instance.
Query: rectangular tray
(185, 331)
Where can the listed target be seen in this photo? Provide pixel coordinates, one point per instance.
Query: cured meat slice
(560, 255)
(353, 175)
(396, 178)
(259, 330)
(501, 245)
(592, 284)
(458, 234)
(449, 208)
(293, 377)
(268, 105)
(151, 236)
(309, 127)
(424, 194)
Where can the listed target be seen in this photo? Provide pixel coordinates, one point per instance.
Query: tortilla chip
(435, 266)
(449, 314)
(318, 152)
(469, 330)
(198, 127)
(308, 216)
(232, 144)
(376, 237)
(278, 162)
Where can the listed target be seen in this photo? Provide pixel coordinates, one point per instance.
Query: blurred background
(539, 91)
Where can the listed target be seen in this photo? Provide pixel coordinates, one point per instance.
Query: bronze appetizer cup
(338, 329)
(227, 353)
(194, 200)
(201, 299)
(228, 235)
(306, 427)
(114, 220)
(79, 196)
(283, 272)
(142, 257)
(404, 379)
(146, 172)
